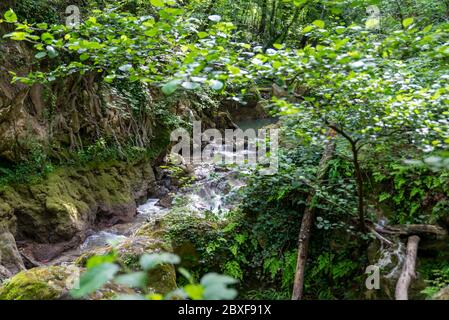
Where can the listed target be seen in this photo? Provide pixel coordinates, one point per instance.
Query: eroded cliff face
(54, 215)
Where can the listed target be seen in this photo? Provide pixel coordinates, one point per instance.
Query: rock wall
(55, 214)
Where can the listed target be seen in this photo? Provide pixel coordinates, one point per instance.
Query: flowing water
(391, 257)
(213, 190)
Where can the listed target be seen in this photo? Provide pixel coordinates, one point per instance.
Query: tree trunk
(272, 28)
(355, 149)
(408, 270)
(307, 220)
(359, 184)
(283, 33)
(264, 15)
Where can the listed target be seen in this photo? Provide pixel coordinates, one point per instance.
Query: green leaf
(216, 85)
(202, 35)
(215, 18)
(428, 28)
(216, 287)
(125, 67)
(151, 261)
(47, 36)
(157, 3)
(17, 36)
(340, 30)
(186, 274)
(95, 278)
(190, 85)
(133, 280)
(84, 56)
(110, 78)
(40, 55)
(170, 87)
(194, 291)
(52, 53)
(384, 196)
(407, 22)
(10, 16)
(97, 260)
(307, 29)
(42, 25)
(234, 70)
(299, 2)
(319, 23)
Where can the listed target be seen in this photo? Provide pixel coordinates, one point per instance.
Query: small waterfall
(391, 259)
(213, 190)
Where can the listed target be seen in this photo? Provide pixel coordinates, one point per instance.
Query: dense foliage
(375, 72)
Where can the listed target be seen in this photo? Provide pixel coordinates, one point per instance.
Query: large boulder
(10, 259)
(44, 283)
(161, 280)
(55, 214)
(52, 283)
(4, 274)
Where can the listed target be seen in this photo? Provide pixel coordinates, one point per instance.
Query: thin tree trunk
(272, 28)
(263, 19)
(307, 220)
(360, 190)
(408, 270)
(284, 33)
(355, 149)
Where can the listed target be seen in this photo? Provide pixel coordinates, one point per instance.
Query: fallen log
(307, 220)
(408, 270)
(413, 229)
(380, 237)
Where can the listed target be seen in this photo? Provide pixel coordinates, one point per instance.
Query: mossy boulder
(187, 233)
(52, 283)
(162, 279)
(46, 283)
(72, 200)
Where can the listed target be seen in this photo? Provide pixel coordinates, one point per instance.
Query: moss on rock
(46, 283)
(71, 200)
(161, 280)
(52, 283)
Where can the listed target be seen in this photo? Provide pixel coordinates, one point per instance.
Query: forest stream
(132, 164)
(213, 190)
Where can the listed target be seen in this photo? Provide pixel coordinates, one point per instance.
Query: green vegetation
(361, 91)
